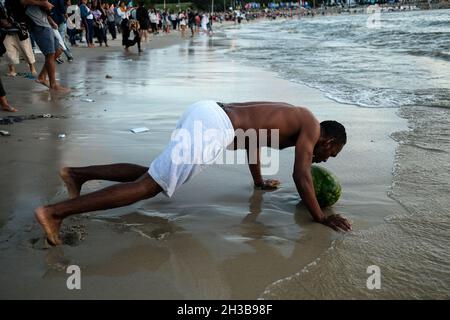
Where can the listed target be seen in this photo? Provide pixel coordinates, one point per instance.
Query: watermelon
(326, 186)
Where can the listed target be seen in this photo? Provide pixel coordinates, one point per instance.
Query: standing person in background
(124, 16)
(159, 21)
(165, 22)
(3, 101)
(131, 35)
(73, 22)
(88, 21)
(191, 22)
(153, 21)
(144, 21)
(13, 16)
(99, 22)
(174, 19)
(204, 22)
(198, 20)
(59, 16)
(110, 19)
(182, 18)
(209, 25)
(38, 11)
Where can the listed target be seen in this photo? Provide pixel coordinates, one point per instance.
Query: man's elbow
(300, 176)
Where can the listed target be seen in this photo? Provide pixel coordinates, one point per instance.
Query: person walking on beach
(109, 9)
(144, 21)
(59, 16)
(18, 41)
(38, 11)
(73, 22)
(182, 19)
(220, 126)
(191, 22)
(3, 101)
(100, 26)
(131, 35)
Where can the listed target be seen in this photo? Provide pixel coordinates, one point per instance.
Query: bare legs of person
(5, 105)
(11, 70)
(49, 69)
(32, 69)
(136, 184)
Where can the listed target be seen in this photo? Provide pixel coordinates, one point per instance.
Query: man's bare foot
(50, 224)
(43, 82)
(72, 183)
(9, 108)
(5, 105)
(32, 70)
(59, 89)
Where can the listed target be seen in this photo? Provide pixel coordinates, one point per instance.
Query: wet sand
(217, 238)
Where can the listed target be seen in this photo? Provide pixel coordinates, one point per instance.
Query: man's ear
(329, 142)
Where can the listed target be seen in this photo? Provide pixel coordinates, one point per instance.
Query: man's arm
(43, 3)
(304, 149)
(254, 164)
(52, 22)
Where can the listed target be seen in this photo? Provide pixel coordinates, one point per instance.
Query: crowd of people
(54, 27)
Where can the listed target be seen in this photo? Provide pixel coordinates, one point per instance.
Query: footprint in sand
(72, 235)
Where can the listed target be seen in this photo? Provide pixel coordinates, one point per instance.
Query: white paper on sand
(139, 130)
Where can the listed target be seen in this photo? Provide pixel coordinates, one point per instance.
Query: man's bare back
(296, 126)
(286, 118)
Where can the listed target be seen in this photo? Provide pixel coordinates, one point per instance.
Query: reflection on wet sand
(186, 259)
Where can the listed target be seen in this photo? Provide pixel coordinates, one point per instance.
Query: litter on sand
(139, 130)
(4, 133)
(87, 100)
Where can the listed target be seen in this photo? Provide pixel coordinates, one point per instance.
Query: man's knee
(149, 187)
(50, 57)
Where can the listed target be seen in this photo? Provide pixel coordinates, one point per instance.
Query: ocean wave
(411, 249)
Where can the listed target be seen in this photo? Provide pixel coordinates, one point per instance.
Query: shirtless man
(313, 141)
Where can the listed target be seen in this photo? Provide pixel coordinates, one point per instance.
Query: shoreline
(197, 244)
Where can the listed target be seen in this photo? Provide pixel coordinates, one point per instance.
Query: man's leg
(75, 177)
(50, 217)
(62, 31)
(11, 70)
(42, 77)
(3, 101)
(51, 71)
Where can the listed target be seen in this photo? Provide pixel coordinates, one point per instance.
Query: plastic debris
(87, 100)
(61, 135)
(46, 115)
(139, 130)
(4, 133)
(108, 76)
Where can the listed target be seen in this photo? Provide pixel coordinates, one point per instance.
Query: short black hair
(333, 129)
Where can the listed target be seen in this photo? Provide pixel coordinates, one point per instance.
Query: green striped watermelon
(326, 186)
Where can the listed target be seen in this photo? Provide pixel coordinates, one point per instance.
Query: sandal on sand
(9, 109)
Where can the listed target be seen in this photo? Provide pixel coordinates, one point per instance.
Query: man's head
(332, 140)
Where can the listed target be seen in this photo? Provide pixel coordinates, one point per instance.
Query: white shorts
(14, 47)
(199, 139)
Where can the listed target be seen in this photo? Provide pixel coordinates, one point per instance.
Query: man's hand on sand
(268, 184)
(337, 222)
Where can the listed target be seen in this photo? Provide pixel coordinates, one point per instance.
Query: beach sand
(217, 238)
